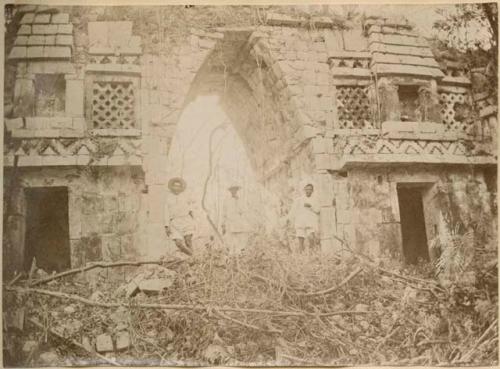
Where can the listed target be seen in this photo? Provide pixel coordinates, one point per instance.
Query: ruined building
(392, 132)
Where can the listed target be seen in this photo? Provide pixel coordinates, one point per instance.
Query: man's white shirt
(304, 217)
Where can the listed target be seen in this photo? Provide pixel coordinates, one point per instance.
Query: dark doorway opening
(411, 211)
(47, 228)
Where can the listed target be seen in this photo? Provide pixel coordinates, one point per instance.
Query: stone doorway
(413, 231)
(47, 228)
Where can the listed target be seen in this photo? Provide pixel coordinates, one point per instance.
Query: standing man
(305, 213)
(179, 220)
(235, 225)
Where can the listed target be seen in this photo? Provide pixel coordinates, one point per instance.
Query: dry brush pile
(268, 308)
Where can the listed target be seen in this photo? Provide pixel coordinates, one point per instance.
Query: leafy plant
(457, 250)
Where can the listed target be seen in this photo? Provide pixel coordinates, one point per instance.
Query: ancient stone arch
(258, 90)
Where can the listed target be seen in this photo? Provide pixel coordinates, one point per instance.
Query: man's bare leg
(311, 239)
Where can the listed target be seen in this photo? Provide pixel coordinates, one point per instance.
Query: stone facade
(103, 205)
(368, 210)
(353, 109)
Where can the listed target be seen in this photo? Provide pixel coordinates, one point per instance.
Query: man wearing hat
(179, 221)
(235, 225)
(305, 213)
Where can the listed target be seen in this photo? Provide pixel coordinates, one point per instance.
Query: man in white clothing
(305, 213)
(235, 224)
(178, 216)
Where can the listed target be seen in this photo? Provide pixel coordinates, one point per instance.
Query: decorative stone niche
(50, 90)
(408, 103)
(406, 99)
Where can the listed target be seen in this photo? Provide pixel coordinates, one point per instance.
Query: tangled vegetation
(271, 307)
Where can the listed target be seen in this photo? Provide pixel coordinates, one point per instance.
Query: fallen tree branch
(432, 342)
(343, 312)
(251, 326)
(469, 354)
(109, 305)
(298, 359)
(267, 280)
(73, 342)
(384, 340)
(408, 278)
(371, 262)
(103, 265)
(334, 288)
(15, 279)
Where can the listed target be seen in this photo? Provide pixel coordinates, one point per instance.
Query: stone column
(325, 184)
(24, 97)
(429, 103)
(74, 99)
(389, 101)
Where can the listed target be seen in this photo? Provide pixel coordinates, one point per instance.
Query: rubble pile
(269, 307)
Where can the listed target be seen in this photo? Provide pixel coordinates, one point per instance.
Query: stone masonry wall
(367, 207)
(104, 211)
(279, 99)
(300, 94)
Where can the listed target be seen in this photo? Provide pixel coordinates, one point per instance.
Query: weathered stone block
(323, 161)
(61, 52)
(21, 40)
(74, 98)
(42, 18)
(56, 160)
(52, 66)
(35, 52)
(44, 29)
(404, 59)
(34, 123)
(391, 69)
(155, 286)
(18, 52)
(50, 39)
(25, 29)
(122, 341)
(27, 18)
(24, 98)
(36, 40)
(11, 124)
(26, 9)
(60, 18)
(64, 29)
(104, 343)
(65, 40)
(98, 33)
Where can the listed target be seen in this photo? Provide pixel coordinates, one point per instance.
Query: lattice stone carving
(113, 105)
(353, 107)
(455, 111)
